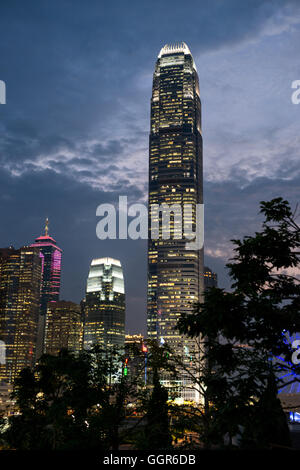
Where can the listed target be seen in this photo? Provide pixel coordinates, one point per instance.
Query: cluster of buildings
(33, 320)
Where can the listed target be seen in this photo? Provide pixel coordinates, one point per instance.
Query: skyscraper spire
(46, 227)
(51, 270)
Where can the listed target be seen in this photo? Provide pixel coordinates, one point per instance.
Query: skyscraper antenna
(46, 227)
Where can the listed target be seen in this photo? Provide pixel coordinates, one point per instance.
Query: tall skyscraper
(104, 305)
(64, 327)
(175, 177)
(51, 272)
(20, 283)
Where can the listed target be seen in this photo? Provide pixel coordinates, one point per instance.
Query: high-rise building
(7, 403)
(136, 356)
(51, 271)
(20, 284)
(175, 282)
(137, 339)
(64, 327)
(210, 278)
(104, 305)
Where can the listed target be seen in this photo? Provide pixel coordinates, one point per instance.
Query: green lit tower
(104, 305)
(175, 279)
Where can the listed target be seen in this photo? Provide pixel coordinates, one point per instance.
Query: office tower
(210, 278)
(64, 327)
(7, 403)
(137, 340)
(175, 177)
(51, 266)
(136, 355)
(104, 305)
(20, 284)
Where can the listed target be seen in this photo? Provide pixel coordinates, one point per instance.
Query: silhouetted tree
(156, 433)
(263, 431)
(69, 402)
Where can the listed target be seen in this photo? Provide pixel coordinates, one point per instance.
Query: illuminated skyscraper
(51, 271)
(175, 177)
(210, 278)
(104, 305)
(20, 283)
(135, 352)
(64, 327)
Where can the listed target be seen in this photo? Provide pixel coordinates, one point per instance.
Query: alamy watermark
(2, 92)
(296, 94)
(296, 354)
(167, 221)
(2, 352)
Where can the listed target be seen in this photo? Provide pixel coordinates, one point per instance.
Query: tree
(69, 402)
(157, 428)
(156, 434)
(244, 330)
(263, 430)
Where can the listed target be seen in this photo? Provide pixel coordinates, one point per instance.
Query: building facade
(135, 354)
(7, 403)
(210, 278)
(51, 272)
(20, 284)
(175, 280)
(64, 327)
(104, 305)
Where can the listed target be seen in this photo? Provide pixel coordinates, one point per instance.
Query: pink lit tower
(50, 286)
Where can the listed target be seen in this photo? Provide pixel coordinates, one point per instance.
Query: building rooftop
(107, 261)
(174, 48)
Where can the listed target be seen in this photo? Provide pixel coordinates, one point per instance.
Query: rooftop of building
(107, 261)
(174, 48)
(177, 48)
(63, 304)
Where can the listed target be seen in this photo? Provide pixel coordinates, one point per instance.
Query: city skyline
(149, 235)
(75, 131)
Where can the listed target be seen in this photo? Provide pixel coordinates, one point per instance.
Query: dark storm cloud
(21, 140)
(74, 131)
(111, 149)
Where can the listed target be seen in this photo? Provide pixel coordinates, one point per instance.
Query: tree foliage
(69, 402)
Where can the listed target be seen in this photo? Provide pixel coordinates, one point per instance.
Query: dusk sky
(74, 132)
